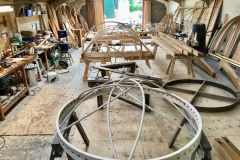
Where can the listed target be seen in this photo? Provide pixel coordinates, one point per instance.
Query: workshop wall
(158, 11)
(83, 11)
(231, 8)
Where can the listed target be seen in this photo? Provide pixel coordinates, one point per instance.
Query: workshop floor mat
(36, 115)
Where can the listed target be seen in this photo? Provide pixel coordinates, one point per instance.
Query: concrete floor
(38, 147)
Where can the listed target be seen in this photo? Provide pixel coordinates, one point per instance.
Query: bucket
(31, 73)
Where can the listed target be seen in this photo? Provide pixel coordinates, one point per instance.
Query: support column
(95, 12)
(146, 13)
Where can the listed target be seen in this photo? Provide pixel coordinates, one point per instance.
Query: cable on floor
(33, 91)
(4, 141)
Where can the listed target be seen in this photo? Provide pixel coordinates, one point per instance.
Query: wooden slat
(236, 55)
(213, 19)
(232, 75)
(224, 150)
(232, 40)
(217, 42)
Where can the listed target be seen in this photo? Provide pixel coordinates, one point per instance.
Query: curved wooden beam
(223, 33)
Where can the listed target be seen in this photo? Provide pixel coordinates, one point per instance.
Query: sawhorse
(204, 149)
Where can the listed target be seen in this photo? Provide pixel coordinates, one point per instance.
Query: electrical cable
(4, 142)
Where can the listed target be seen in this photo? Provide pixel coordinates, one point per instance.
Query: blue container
(63, 47)
(28, 39)
(62, 33)
(28, 12)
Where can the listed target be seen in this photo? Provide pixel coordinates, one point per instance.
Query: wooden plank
(224, 150)
(78, 33)
(166, 48)
(222, 34)
(232, 75)
(197, 14)
(101, 55)
(25, 23)
(231, 145)
(189, 49)
(236, 55)
(205, 66)
(226, 18)
(232, 40)
(213, 19)
(54, 16)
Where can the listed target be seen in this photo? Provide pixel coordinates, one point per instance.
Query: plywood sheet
(37, 114)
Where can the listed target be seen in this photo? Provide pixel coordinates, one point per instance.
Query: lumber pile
(232, 47)
(71, 20)
(228, 34)
(179, 50)
(226, 148)
(52, 19)
(200, 13)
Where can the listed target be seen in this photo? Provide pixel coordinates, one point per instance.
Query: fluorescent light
(6, 9)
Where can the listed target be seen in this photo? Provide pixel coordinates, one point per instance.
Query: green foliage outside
(135, 6)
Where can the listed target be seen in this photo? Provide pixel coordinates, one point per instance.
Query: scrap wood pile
(179, 50)
(200, 13)
(69, 20)
(228, 36)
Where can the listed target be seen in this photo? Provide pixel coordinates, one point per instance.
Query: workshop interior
(119, 79)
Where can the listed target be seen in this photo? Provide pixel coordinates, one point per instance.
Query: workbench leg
(176, 133)
(86, 71)
(25, 79)
(168, 67)
(46, 59)
(2, 117)
(80, 129)
(172, 68)
(191, 68)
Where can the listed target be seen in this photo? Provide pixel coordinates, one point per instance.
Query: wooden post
(95, 12)
(2, 117)
(146, 12)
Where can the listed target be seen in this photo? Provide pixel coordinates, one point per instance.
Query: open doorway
(125, 11)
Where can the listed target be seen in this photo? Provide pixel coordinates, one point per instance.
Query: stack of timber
(179, 50)
(68, 21)
(226, 148)
(52, 19)
(200, 13)
(231, 53)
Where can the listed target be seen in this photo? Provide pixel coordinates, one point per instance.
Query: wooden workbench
(18, 65)
(45, 48)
